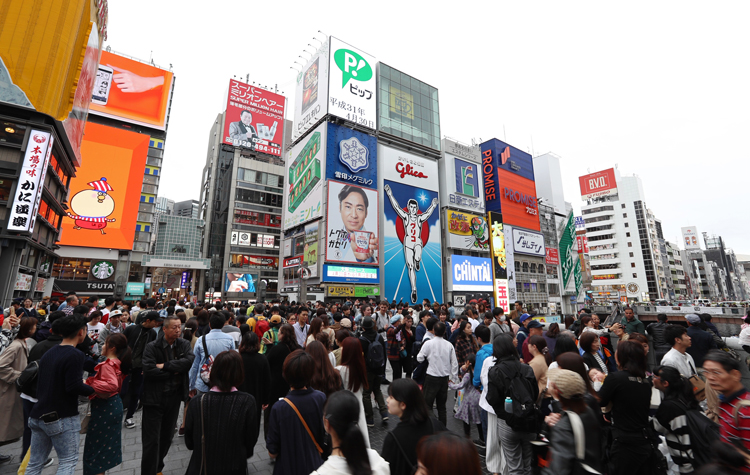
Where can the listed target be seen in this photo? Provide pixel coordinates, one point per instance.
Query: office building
(187, 209)
(164, 205)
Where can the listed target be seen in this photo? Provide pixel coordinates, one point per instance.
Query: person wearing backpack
(373, 347)
(206, 349)
(513, 385)
(679, 417)
(442, 365)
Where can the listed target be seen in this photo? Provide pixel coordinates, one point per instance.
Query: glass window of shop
(408, 108)
(12, 133)
(71, 268)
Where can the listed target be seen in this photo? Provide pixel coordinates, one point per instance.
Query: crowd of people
(582, 396)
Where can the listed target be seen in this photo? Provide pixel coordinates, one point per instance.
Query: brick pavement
(179, 456)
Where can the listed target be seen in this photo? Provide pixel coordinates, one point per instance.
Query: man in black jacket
(703, 341)
(374, 372)
(138, 335)
(166, 363)
(656, 330)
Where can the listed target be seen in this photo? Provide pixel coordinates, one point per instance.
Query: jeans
(27, 407)
(436, 390)
(373, 383)
(158, 428)
(517, 449)
(63, 435)
(133, 389)
(483, 416)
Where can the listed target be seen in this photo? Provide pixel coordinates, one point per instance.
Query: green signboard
(135, 288)
(365, 291)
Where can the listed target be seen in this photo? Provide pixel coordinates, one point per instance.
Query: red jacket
(108, 378)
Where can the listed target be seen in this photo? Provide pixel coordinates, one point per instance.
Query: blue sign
(467, 178)
(471, 273)
(352, 156)
(362, 275)
(507, 157)
(162, 290)
(135, 288)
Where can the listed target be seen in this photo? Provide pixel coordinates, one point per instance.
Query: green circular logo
(102, 270)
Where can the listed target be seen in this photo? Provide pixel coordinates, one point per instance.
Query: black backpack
(703, 433)
(375, 357)
(526, 416)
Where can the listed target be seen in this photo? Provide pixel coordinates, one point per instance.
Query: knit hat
(346, 323)
(568, 383)
(367, 323)
(395, 319)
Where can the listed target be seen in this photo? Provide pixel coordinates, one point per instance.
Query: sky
(658, 89)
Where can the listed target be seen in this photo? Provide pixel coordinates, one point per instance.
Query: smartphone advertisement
(254, 118)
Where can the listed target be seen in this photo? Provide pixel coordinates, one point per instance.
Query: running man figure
(412, 235)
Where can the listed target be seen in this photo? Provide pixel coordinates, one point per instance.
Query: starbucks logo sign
(102, 270)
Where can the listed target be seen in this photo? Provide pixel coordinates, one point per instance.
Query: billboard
(106, 190)
(411, 231)
(467, 231)
(240, 282)
(517, 200)
(567, 261)
(364, 275)
(690, 238)
(352, 85)
(460, 178)
(352, 156)
(132, 91)
(500, 269)
(471, 273)
(526, 242)
(580, 223)
(305, 170)
(28, 193)
(508, 158)
(254, 118)
(352, 234)
(310, 256)
(595, 185)
(553, 257)
(312, 92)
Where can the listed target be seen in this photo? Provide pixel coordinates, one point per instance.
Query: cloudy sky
(659, 89)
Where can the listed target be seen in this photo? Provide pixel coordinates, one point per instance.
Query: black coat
(656, 330)
(155, 379)
(701, 343)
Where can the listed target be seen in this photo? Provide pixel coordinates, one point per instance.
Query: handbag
(699, 387)
(307, 428)
(86, 419)
(205, 372)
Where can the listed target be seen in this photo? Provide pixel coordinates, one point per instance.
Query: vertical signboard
(352, 89)
(567, 260)
(312, 92)
(305, 170)
(499, 263)
(690, 238)
(510, 261)
(310, 256)
(411, 231)
(28, 192)
(254, 118)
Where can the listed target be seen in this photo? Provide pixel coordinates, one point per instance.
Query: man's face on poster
(353, 212)
(246, 118)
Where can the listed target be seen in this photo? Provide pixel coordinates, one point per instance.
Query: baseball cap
(534, 324)
(568, 383)
(275, 320)
(525, 317)
(115, 313)
(693, 319)
(346, 323)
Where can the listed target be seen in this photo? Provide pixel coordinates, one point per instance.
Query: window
(630, 244)
(517, 266)
(632, 264)
(540, 268)
(631, 254)
(525, 267)
(635, 275)
(533, 268)
(627, 225)
(623, 206)
(627, 234)
(624, 215)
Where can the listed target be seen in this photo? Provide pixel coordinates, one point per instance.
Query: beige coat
(12, 361)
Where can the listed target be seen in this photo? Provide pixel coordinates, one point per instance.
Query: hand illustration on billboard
(237, 286)
(133, 83)
(239, 282)
(265, 132)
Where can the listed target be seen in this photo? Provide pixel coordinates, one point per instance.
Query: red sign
(292, 261)
(254, 118)
(408, 170)
(518, 200)
(553, 257)
(598, 184)
(260, 261)
(583, 244)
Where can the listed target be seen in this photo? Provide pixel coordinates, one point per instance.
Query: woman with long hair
(323, 339)
(540, 361)
(257, 380)
(326, 378)
(354, 377)
(466, 344)
(671, 417)
(350, 454)
(408, 337)
(316, 326)
(190, 331)
(203, 326)
(221, 423)
(551, 336)
(102, 450)
(634, 448)
(405, 401)
(276, 356)
(446, 453)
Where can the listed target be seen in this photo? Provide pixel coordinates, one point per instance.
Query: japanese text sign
(28, 195)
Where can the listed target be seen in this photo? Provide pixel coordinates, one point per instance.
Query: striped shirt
(729, 428)
(671, 421)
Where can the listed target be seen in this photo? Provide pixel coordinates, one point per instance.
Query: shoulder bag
(302, 419)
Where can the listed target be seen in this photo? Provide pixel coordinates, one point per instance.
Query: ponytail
(342, 412)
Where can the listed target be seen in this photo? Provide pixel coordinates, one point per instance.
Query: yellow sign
(341, 291)
(402, 103)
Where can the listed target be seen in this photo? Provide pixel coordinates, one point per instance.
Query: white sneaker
(130, 423)
(49, 462)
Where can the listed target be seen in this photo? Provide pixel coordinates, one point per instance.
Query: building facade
(187, 209)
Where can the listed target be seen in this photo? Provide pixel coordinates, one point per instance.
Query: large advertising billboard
(352, 156)
(254, 118)
(690, 238)
(460, 177)
(132, 91)
(352, 224)
(510, 264)
(33, 171)
(526, 242)
(471, 273)
(507, 157)
(595, 185)
(240, 282)
(517, 197)
(467, 231)
(352, 85)
(310, 256)
(106, 190)
(305, 170)
(311, 103)
(500, 269)
(411, 231)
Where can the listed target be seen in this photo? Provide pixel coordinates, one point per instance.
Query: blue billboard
(506, 157)
(471, 273)
(352, 156)
(351, 274)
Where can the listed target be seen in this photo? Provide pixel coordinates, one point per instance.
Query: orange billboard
(518, 200)
(105, 194)
(132, 91)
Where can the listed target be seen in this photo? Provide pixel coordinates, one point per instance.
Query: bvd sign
(598, 184)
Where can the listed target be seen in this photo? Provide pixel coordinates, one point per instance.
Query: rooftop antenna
(247, 78)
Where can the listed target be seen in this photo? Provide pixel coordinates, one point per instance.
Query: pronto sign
(598, 184)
